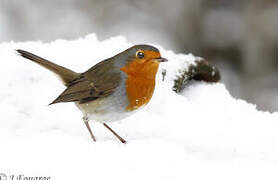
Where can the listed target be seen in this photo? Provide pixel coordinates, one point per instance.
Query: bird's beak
(161, 59)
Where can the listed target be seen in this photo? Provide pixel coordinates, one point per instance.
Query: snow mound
(201, 133)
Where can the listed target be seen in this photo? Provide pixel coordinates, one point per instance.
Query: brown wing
(99, 81)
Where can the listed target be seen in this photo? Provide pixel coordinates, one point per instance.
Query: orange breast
(140, 82)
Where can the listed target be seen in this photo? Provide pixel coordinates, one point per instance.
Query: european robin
(111, 90)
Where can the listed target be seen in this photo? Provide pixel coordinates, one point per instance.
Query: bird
(111, 90)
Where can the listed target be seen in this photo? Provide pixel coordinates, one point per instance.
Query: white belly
(108, 109)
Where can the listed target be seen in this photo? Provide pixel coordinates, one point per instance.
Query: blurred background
(240, 37)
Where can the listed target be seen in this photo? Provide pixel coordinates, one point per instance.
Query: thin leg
(119, 137)
(89, 129)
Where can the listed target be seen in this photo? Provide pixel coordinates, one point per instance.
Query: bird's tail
(65, 74)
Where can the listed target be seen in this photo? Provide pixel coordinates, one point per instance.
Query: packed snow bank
(203, 133)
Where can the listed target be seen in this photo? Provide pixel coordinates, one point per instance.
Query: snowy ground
(204, 133)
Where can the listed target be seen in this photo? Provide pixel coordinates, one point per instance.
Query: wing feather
(99, 81)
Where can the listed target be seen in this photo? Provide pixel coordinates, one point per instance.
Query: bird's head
(142, 60)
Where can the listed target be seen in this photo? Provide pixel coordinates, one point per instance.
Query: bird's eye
(139, 54)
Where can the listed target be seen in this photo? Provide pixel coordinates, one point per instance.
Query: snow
(202, 133)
